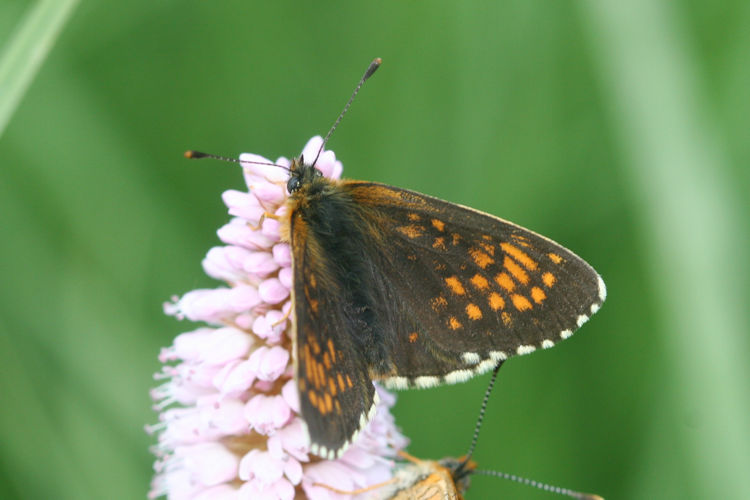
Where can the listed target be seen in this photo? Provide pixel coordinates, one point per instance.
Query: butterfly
(447, 478)
(395, 286)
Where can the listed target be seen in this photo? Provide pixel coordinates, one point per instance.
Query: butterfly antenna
(460, 469)
(536, 484)
(372, 68)
(197, 155)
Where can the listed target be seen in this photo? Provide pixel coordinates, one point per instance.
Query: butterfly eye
(293, 184)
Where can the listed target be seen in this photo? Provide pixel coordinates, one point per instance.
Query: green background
(618, 128)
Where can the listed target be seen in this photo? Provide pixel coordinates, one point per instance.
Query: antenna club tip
(377, 61)
(193, 154)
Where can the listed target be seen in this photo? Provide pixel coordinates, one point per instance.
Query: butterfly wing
(460, 291)
(337, 396)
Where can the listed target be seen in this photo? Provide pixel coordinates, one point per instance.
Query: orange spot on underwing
(538, 294)
(312, 397)
(349, 382)
(505, 281)
(555, 258)
(413, 336)
(455, 285)
(438, 304)
(507, 320)
(332, 350)
(480, 282)
(473, 312)
(496, 301)
(549, 279)
(439, 244)
(328, 404)
(327, 360)
(438, 224)
(411, 231)
(332, 386)
(520, 256)
(456, 238)
(340, 381)
(338, 406)
(520, 302)
(453, 323)
(313, 305)
(321, 375)
(414, 217)
(480, 258)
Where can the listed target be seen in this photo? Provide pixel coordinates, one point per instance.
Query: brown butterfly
(395, 286)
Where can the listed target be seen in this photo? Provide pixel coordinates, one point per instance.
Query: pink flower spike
(229, 409)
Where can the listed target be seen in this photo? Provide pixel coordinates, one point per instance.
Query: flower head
(230, 424)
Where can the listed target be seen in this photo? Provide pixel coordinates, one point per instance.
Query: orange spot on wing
(338, 406)
(321, 375)
(332, 350)
(312, 280)
(312, 397)
(349, 382)
(456, 238)
(439, 244)
(313, 305)
(411, 231)
(538, 294)
(507, 320)
(520, 302)
(438, 304)
(480, 282)
(505, 281)
(488, 247)
(413, 336)
(480, 258)
(438, 224)
(473, 312)
(414, 217)
(520, 256)
(340, 380)
(549, 279)
(555, 258)
(332, 386)
(496, 301)
(515, 270)
(521, 240)
(453, 323)
(455, 285)
(327, 360)
(328, 404)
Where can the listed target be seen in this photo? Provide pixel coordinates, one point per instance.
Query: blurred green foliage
(617, 128)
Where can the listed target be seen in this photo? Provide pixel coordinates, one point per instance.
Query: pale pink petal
(236, 378)
(243, 205)
(286, 278)
(238, 232)
(271, 291)
(209, 463)
(267, 192)
(267, 413)
(282, 254)
(291, 395)
(269, 363)
(257, 464)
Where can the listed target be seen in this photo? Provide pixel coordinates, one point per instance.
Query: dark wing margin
(464, 290)
(337, 397)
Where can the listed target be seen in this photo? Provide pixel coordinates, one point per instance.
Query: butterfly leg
(264, 216)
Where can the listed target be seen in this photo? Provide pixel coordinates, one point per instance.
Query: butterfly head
(301, 174)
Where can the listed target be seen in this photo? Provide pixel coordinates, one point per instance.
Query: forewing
(336, 393)
(464, 290)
